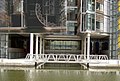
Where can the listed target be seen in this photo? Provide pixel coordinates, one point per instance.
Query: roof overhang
(56, 29)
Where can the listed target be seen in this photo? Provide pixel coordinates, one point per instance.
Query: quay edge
(17, 63)
(108, 64)
(100, 64)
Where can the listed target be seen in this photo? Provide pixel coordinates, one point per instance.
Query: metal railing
(64, 57)
(41, 59)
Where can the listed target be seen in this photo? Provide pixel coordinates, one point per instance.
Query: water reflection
(57, 75)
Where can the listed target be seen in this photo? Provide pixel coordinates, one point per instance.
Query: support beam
(31, 44)
(36, 50)
(88, 46)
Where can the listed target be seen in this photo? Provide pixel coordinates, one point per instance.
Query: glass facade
(94, 15)
(64, 46)
(90, 22)
(91, 15)
(71, 2)
(4, 18)
(68, 15)
(3, 46)
(17, 6)
(71, 27)
(114, 29)
(90, 5)
(13, 46)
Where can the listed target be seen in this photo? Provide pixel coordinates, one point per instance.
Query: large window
(90, 22)
(62, 45)
(71, 26)
(71, 14)
(16, 6)
(71, 2)
(99, 6)
(4, 19)
(90, 5)
(99, 22)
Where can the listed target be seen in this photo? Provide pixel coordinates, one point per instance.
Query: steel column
(36, 50)
(31, 44)
(88, 46)
(40, 44)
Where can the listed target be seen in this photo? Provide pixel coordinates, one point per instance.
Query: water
(57, 75)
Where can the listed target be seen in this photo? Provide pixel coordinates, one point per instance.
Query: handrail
(65, 57)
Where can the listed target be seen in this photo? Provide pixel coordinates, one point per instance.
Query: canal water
(58, 75)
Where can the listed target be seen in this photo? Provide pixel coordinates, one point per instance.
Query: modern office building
(57, 27)
(115, 27)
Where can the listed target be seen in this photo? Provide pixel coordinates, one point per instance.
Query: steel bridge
(41, 59)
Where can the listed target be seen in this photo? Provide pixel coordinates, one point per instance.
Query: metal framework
(40, 16)
(41, 59)
(64, 58)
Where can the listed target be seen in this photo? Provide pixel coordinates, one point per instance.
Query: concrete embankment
(105, 64)
(17, 62)
(94, 64)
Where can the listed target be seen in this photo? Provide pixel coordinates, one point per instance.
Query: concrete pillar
(85, 47)
(31, 44)
(88, 46)
(36, 50)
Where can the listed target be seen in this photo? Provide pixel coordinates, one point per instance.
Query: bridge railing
(64, 57)
(98, 57)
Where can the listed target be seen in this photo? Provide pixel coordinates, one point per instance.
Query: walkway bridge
(41, 59)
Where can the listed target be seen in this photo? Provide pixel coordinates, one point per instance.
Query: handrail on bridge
(65, 57)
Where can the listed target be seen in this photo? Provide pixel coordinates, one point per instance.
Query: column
(36, 50)
(82, 50)
(65, 7)
(88, 46)
(40, 44)
(31, 44)
(43, 46)
(85, 48)
(22, 14)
